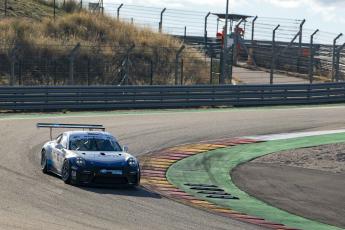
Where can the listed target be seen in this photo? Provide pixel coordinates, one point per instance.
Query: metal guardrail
(138, 97)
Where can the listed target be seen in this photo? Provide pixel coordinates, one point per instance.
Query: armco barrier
(137, 97)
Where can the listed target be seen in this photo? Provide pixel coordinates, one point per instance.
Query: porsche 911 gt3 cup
(88, 157)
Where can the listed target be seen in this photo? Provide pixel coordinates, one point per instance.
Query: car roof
(89, 133)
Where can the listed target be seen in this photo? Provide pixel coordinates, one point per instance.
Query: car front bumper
(98, 176)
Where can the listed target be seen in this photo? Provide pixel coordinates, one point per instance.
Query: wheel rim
(65, 171)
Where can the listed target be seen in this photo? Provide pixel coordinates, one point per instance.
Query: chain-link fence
(264, 50)
(101, 65)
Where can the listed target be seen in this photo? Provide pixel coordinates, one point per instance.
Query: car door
(55, 153)
(61, 151)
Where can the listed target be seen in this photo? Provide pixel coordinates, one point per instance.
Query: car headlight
(80, 162)
(132, 162)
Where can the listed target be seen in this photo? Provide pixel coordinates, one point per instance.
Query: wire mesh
(254, 58)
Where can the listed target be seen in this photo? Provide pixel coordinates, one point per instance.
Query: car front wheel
(66, 172)
(44, 165)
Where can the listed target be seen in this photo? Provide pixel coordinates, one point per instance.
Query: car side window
(64, 141)
(58, 139)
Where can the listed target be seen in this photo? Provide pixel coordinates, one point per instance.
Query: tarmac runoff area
(317, 172)
(298, 198)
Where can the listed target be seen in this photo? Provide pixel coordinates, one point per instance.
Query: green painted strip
(213, 168)
(18, 116)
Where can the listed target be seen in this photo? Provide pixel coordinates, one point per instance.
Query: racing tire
(44, 162)
(66, 174)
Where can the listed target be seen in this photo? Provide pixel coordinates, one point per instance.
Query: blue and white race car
(88, 157)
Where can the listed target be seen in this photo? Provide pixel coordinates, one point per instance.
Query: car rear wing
(52, 126)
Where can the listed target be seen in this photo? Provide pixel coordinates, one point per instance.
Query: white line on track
(284, 136)
(161, 112)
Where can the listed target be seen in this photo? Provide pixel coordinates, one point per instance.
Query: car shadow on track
(123, 191)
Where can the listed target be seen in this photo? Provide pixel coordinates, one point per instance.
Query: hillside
(35, 9)
(42, 50)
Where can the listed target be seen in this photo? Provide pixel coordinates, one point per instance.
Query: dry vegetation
(104, 43)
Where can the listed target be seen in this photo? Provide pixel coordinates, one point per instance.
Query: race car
(92, 157)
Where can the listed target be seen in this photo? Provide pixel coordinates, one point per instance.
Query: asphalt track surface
(31, 200)
(321, 194)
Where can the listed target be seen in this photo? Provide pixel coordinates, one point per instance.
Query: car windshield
(94, 144)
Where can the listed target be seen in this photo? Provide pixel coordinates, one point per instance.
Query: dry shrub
(104, 43)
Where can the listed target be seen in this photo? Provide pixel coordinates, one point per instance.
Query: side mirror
(125, 149)
(59, 146)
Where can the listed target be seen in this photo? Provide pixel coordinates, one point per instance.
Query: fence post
(185, 34)
(334, 56)
(13, 80)
(102, 6)
(151, 72)
(54, 3)
(88, 72)
(178, 54)
(253, 29)
(13, 75)
(161, 21)
(126, 65)
(205, 30)
(300, 44)
(118, 11)
(182, 74)
(211, 70)
(6, 8)
(225, 47)
(236, 42)
(311, 57)
(273, 54)
(218, 24)
(71, 58)
(81, 4)
(338, 62)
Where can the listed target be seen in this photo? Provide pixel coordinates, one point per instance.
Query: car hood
(104, 157)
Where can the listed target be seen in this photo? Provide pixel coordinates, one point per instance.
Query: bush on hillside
(42, 51)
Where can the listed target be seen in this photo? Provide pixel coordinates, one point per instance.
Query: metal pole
(54, 2)
(311, 57)
(205, 30)
(225, 46)
(151, 73)
(102, 5)
(217, 25)
(5, 8)
(211, 70)
(338, 62)
(127, 70)
(300, 44)
(161, 21)
(81, 4)
(182, 77)
(253, 28)
(273, 54)
(71, 63)
(127, 63)
(118, 11)
(185, 34)
(13, 75)
(13, 80)
(236, 42)
(71, 70)
(88, 71)
(177, 62)
(333, 56)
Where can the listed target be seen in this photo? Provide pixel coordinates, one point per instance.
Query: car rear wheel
(44, 165)
(66, 172)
